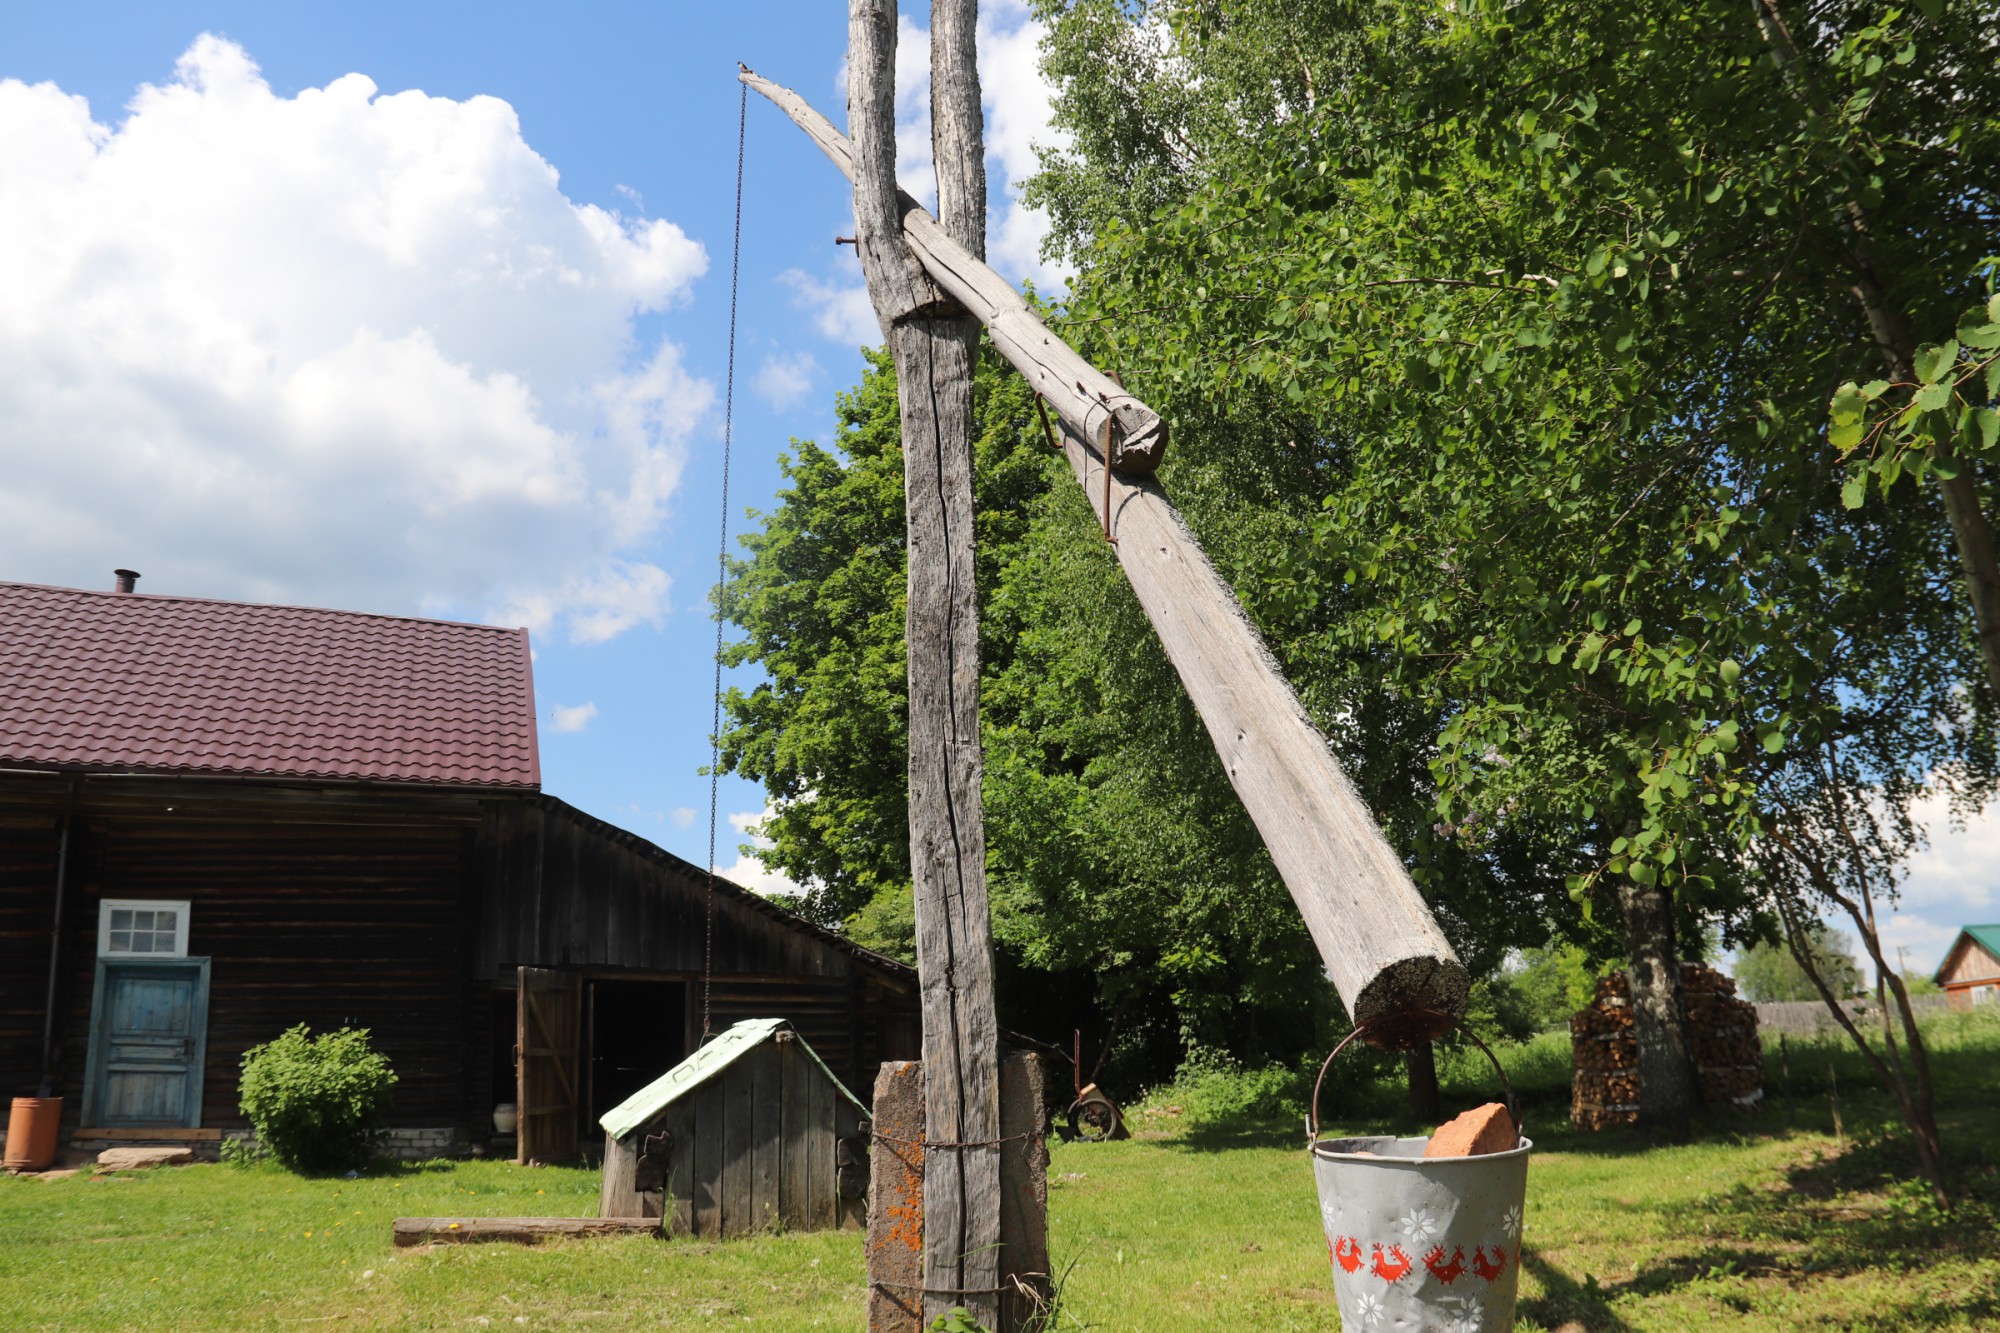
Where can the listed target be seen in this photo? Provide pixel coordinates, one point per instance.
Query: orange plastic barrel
(31, 1133)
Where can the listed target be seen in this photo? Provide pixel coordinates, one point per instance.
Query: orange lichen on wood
(1483, 1129)
(906, 1212)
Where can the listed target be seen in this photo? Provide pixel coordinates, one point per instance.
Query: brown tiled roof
(133, 682)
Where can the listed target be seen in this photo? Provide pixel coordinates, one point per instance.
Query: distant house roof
(133, 682)
(643, 1105)
(1986, 937)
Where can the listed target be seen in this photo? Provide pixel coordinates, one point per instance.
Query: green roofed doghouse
(752, 1132)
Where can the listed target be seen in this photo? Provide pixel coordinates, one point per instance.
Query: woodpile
(1728, 1058)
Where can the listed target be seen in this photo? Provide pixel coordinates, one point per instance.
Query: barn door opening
(637, 1033)
(548, 1024)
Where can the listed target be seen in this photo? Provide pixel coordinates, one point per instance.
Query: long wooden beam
(1383, 950)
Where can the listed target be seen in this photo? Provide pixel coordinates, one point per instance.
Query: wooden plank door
(548, 1026)
(148, 1039)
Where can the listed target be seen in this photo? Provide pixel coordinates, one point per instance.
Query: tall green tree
(1767, 972)
(1551, 296)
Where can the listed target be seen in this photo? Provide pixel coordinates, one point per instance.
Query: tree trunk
(933, 343)
(1668, 1090)
(1425, 1103)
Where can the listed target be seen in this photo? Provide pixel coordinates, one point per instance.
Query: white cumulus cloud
(1017, 100)
(840, 310)
(1954, 882)
(785, 378)
(749, 871)
(345, 347)
(572, 717)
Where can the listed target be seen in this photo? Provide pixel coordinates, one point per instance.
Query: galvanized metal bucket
(1420, 1243)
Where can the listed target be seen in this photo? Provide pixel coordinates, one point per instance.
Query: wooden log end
(1412, 1001)
(1138, 452)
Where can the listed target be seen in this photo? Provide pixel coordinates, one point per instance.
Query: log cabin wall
(328, 912)
(27, 880)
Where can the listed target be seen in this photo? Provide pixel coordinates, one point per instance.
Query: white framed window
(141, 928)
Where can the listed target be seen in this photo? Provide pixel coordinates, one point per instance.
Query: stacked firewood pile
(1727, 1056)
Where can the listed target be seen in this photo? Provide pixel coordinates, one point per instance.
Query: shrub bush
(1213, 1089)
(317, 1102)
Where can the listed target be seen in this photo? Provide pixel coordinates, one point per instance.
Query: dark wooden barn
(750, 1133)
(218, 820)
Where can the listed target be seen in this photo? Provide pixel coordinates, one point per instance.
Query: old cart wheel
(1094, 1117)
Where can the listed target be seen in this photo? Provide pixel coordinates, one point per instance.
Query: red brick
(1481, 1130)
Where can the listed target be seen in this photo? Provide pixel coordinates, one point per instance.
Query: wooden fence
(1810, 1018)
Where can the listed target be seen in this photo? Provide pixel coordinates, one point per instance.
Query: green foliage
(887, 923)
(1537, 992)
(242, 1152)
(1546, 301)
(1768, 972)
(1538, 1069)
(1213, 1089)
(1940, 417)
(317, 1103)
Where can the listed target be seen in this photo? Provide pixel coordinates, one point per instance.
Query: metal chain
(722, 574)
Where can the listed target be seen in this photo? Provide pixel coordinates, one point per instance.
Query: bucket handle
(1360, 1029)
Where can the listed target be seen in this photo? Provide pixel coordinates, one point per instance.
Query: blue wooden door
(149, 1031)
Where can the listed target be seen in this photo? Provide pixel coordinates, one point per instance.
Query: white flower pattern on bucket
(1461, 1314)
(1510, 1221)
(1370, 1309)
(1421, 1225)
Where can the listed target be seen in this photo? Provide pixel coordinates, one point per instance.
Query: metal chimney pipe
(128, 579)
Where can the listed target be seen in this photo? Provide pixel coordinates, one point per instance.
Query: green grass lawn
(1188, 1226)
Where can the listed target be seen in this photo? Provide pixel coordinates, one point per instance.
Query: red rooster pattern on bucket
(1391, 1264)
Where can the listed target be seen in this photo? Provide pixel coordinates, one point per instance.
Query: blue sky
(634, 107)
(448, 337)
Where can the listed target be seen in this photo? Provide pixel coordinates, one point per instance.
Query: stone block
(896, 1200)
(132, 1159)
(896, 1195)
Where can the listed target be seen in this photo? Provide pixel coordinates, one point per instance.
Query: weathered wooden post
(934, 341)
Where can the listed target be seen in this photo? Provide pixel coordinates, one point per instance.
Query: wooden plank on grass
(408, 1231)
